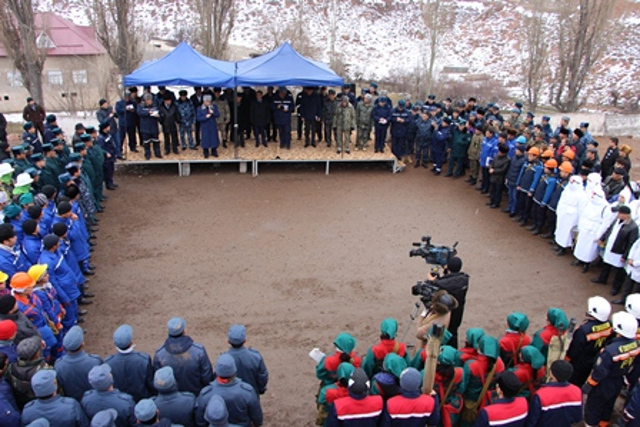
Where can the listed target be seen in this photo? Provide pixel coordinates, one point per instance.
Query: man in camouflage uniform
(474, 154)
(364, 121)
(225, 114)
(328, 111)
(343, 123)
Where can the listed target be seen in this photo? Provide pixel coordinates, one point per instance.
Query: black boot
(417, 165)
(205, 151)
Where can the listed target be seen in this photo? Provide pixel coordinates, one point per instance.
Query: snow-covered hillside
(378, 36)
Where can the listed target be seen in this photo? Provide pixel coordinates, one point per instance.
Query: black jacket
(626, 237)
(457, 284)
(260, 113)
(500, 167)
(3, 128)
(169, 117)
(608, 161)
(310, 106)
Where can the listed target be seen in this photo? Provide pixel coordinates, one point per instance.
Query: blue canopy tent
(284, 66)
(183, 66)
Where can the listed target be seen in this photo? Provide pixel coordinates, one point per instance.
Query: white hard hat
(23, 179)
(625, 324)
(599, 308)
(5, 168)
(632, 305)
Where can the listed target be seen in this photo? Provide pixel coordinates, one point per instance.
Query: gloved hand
(586, 388)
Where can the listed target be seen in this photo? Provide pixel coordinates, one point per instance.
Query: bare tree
(535, 56)
(274, 33)
(18, 36)
(216, 21)
(115, 25)
(583, 34)
(438, 18)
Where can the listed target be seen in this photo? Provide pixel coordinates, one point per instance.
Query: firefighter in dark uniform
(607, 378)
(589, 339)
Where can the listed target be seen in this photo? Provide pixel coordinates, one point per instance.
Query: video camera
(438, 256)
(432, 254)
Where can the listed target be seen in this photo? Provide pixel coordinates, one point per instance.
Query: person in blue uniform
(178, 406)
(58, 410)
(105, 396)
(608, 376)
(206, 115)
(400, 118)
(249, 363)
(132, 370)
(108, 145)
(188, 359)
(242, 401)
(508, 410)
(282, 107)
(557, 403)
(73, 368)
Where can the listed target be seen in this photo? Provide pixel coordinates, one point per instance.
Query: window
(79, 77)
(55, 77)
(14, 78)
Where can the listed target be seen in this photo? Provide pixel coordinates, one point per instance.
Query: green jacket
(344, 118)
(364, 116)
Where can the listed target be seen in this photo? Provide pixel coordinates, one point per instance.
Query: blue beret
(40, 422)
(100, 377)
(225, 366)
(90, 129)
(19, 149)
(584, 125)
(74, 157)
(79, 146)
(402, 103)
(85, 137)
(237, 334)
(123, 336)
(176, 326)
(164, 380)
(106, 418)
(431, 96)
(104, 125)
(374, 85)
(56, 131)
(546, 118)
(55, 142)
(43, 382)
(27, 126)
(145, 410)
(37, 157)
(216, 411)
(530, 114)
(73, 339)
(51, 118)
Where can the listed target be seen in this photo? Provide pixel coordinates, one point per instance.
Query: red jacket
(527, 375)
(468, 353)
(355, 412)
(385, 347)
(556, 405)
(510, 345)
(334, 394)
(409, 411)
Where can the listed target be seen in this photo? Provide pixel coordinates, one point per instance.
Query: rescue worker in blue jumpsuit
(178, 406)
(381, 116)
(282, 107)
(108, 145)
(104, 396)
(528, 180)
(132, 370)
(441, 138)
(73, 368)
(589, 339)
(400, 118)
(249, 363)
(608, 376)
(11, 259)
(58, 410)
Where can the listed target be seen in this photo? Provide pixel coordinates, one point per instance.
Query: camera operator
(456, 283)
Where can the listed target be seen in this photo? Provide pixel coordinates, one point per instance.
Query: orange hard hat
(569, 154)
(566, 167)
(534, 150)
(21, 281)
(551, 164)
(547, 154)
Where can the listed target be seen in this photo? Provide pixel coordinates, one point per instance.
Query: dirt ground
(298, 257)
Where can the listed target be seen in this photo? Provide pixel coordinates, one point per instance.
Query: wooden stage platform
(251, 156)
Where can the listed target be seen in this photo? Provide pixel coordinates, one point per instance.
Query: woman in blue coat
(206, 116)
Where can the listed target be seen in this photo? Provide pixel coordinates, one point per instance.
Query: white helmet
(599, 308)
(624, 324)
(632, 305)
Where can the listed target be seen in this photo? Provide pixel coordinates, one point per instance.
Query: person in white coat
(568, 211)
(591, 216)
(631, 284)
(617, 242)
